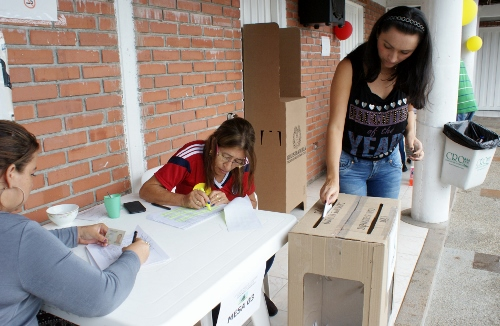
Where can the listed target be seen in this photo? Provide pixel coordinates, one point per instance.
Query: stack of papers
(184, 218)
(103, 257)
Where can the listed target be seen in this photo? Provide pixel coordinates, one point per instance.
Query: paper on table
(184, 218)
(240, 215)
(95, 213)
(105, 256)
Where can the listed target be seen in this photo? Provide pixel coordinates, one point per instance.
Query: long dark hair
(17, 145)
(414, 74)
(236, 132)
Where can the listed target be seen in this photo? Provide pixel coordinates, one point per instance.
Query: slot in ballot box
(341, 267)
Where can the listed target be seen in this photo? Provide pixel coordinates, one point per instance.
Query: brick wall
(67, 88)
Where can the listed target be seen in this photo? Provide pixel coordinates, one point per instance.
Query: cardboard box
(464, 167)
(276, 110)
(341, 268)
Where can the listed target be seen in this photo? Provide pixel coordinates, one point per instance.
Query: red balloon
(344, 32)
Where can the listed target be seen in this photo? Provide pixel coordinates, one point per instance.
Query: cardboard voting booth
(341, 267)
(276, 110)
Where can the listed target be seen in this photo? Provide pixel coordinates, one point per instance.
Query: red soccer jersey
(185, 169)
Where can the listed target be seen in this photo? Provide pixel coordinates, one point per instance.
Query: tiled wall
(67, 88)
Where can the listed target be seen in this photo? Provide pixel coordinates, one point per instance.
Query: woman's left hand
(416, 148)
(218, 198)
(93, 234)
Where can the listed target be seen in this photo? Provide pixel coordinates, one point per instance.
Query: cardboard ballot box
(276, 110)
(341, 267)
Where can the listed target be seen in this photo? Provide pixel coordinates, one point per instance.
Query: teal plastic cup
(113, 204)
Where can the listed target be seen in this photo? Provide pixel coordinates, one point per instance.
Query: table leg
(261, 316)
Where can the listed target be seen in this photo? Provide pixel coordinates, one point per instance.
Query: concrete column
(469, 57)
(130, 88)
(431, 198)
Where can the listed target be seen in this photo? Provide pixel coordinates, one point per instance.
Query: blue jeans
(380, 178)
(465, 116)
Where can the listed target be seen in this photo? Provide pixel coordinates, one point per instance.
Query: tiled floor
(410, 242)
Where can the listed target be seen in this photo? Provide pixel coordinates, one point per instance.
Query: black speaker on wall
(315, 12)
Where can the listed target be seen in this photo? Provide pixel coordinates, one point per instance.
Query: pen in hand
(135, 237)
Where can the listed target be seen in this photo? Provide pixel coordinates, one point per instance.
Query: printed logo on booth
(30, 3)
(483, 162)
(457, 159)
(297, 137)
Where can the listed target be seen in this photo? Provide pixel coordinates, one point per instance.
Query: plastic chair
(149, 173)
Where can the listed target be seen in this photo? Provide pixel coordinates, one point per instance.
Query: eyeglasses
(236, 162)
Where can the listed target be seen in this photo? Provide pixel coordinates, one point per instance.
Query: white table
(203, 258)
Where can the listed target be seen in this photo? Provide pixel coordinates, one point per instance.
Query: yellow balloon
(474, 43)
(469, 12)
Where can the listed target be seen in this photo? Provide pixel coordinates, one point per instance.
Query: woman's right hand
(330, 191)
(195, 199)
(141, 248)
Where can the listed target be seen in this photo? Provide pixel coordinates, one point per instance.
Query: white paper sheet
(240, 215)
(105, 256)
(184, 218)
(29, 9)
(325, 46)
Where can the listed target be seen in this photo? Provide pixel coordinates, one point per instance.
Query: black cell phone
(134, 207)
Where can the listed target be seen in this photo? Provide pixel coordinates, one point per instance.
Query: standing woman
(37, 265)
(373, 94)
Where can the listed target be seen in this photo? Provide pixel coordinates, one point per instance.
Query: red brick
(87, 151)
(77, 56)
(106, 132)
(48, 109)
(47, 196)
(111, 86)
(163, 28)
(56, 73)
(231, 12)
(107, 24)
(98, 39)
(95, 7)
(38, 181)
(14, 36)
(20, 75)
(224, 44)
(101, 71)
(158, 148)
(216, 77)
(190, 30)
(48, 161)
(188, 5)
(175, 68)
(76, 89)
(217, 121)
(176, 16)
(178, 42)
(193, 79)
(154, 96)
(92, 182)
(222, 21)
(234, 76)
(64, 141)
(222, 109)
(205, 112)
(50, 38)
(163, 3)
(182, 117)
(203, 66)
(150, 41)
(117, 145)
(193, 103)
(167, 81)
(204, 134)
(215, 99)
(208, 89)
(165, 55)
(114, 115)
(180, 92)
(146, 82)
(30, 57)
(211, 9)
(235, 97)
(195, 126)
(226, 87)
(225, 65)
(165, 157)
(65, 5)
(80, 22)
(66, 173)
(148, 13)
(172, 131)
(109, 162)
(141, 26)
(168, 107)
(33, 93)
(85, 120)
(189, 55)
(216, 55)
(156, 122)
(24, 112)
(223, 2)
(233, 55)
(103, 102)
(201, 20)
(202, 43)
(144, 55)
(44, 127)
(113, 188)
(152, 69)
(109, 56)
(120, 173)
(178, 142)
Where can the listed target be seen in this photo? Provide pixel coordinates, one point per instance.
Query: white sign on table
(29, 9)
(240, 305)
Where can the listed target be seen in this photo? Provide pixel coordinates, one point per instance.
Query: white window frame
(358, 26)
(263, 11)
